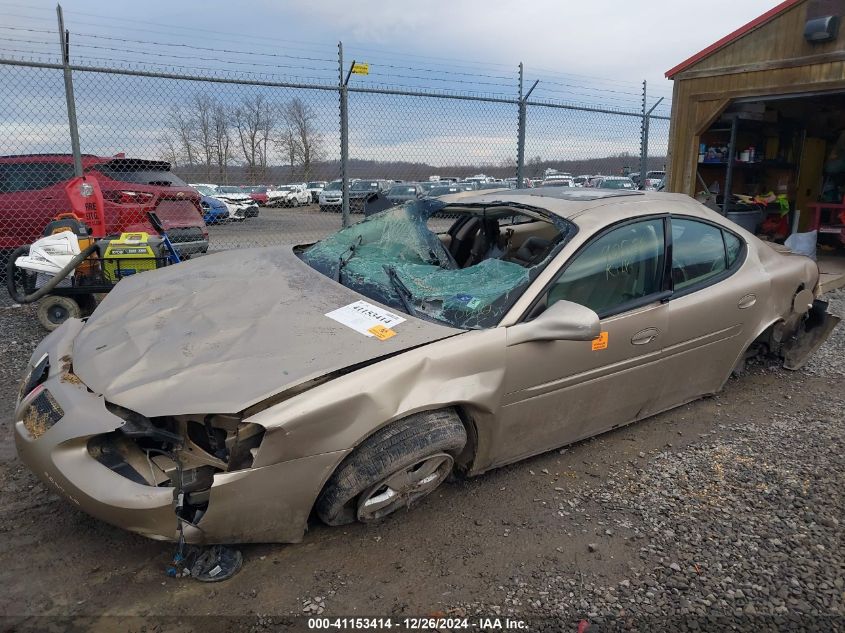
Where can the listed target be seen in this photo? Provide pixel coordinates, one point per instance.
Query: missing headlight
(36, 375)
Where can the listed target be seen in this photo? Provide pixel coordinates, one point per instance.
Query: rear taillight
(128, 197)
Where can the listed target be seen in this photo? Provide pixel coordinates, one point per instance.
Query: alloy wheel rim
(403, 487)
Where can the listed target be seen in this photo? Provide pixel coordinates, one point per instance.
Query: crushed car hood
(220, 333)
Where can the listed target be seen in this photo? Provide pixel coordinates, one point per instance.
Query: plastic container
(749, 220)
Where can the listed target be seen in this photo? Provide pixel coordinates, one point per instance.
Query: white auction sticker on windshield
(362, 316)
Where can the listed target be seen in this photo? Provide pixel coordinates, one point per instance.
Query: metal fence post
(643, 140)
(520, 135)
(64, 45)
(344, 137)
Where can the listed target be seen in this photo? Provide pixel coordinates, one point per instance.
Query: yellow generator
(131, 253)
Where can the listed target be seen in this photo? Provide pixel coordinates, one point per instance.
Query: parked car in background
(258, 193)
(214, 211)
(653, 179)
(361, 189)
(238, 196)
(497, 185)
(615, 182)
(331, 197)
(635, 178)
(399, 194)
(292, 195)
(468, 185)
(237, 209)
(443, 190)
(582, 180)
(595, 312)
(428, 186)
(314, 188)
(558, 182)
(33, 191)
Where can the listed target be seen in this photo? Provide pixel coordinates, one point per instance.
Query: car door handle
(747, 301)
(643, 337)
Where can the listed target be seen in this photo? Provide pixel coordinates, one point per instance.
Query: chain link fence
(231, 161)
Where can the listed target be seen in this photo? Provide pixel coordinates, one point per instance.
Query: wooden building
(763, 111)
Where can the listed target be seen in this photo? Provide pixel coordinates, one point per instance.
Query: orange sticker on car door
(600, 342)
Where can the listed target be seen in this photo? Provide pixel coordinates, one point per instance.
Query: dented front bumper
(56, 421)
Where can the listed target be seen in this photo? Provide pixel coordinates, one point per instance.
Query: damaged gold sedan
(236, 396)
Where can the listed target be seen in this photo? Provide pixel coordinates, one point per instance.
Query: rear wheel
(53, 310)
(393, 468)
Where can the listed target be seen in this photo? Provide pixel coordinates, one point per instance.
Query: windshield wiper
(401, 289)
(348, 254)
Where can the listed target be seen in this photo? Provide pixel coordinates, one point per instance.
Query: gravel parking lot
(727, 512)
(276, 225)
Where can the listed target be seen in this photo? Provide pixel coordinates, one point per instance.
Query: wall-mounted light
(822, 29)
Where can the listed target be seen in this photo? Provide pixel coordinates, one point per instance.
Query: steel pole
(643, 141)
(64, 46)
(344, 138)
(729, 168)
(520, 135)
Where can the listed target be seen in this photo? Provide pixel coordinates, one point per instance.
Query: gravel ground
(724, 514)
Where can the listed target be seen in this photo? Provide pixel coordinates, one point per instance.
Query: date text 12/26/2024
(418, 623)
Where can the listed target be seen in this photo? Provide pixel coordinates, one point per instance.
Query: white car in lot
(239, 202)
(315, 187)
(331, 197)
(289, 195)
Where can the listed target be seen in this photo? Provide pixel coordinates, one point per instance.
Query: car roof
(588, 208)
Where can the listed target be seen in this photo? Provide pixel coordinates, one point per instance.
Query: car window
(733, 247)
(140, 173)
(698, 252)
(32, 176)
(621, 266)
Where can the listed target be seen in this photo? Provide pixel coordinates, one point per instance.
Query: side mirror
(563, 321)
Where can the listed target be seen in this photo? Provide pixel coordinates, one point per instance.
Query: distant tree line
(256, 141)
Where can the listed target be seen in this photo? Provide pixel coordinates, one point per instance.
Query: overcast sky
(624, 41)
(593, 53)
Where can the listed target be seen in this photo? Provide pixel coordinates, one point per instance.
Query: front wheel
(393, 468)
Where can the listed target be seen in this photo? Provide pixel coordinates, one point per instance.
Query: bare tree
(222, 141)
(254, 122)
(286, 144)
(183, 128)
(302, 142)
(203, 106)
(169, 149)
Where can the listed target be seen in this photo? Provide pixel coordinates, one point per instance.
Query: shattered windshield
(467, 275)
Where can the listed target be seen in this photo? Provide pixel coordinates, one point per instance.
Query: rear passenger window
(32, 176)
(698, 253)
(733, 246)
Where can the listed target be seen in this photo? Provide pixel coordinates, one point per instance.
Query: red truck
(33, 191)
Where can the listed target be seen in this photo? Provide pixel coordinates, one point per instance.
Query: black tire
(53, 310)
(397, 446)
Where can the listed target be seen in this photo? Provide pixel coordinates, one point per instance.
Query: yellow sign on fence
(359, 68)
